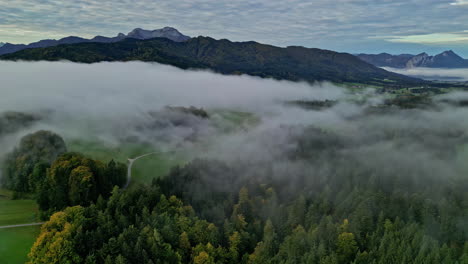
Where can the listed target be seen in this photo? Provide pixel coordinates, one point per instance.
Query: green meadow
(144, 169)
(16, 242)
(13, 212)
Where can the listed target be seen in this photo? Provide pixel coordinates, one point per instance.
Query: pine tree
(267, 248)
(346, 247)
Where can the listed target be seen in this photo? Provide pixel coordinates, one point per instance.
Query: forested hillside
(224, 56)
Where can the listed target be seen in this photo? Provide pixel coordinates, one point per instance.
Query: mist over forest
(113, 101)
(264, 171)
(233, 132)
(117, 101)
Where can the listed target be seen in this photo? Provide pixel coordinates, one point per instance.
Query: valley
(304, 141)
(278, 132)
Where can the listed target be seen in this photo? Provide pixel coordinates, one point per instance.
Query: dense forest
(348, 219)
(320, 204)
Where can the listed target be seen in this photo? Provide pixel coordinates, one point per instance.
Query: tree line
(42, 168)
(255, 224)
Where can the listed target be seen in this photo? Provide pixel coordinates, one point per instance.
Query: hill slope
(224, 56)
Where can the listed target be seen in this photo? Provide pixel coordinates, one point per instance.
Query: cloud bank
(433, 73)
(135, 86)
(113, 101)
(125, 102)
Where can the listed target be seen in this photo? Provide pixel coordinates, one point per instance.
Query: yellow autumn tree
(203, 258)
(54, 246)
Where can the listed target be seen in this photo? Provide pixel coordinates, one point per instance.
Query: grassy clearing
(154, 166)
(16, 211)
(144, 170)
(15, 243)
(98, 150)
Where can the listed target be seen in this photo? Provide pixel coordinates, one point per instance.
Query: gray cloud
(342, 24)
(460, 2)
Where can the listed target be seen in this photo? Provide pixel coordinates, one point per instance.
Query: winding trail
(21, 225)
(130, 164)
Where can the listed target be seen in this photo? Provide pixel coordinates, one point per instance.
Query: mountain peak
(135, 30)
(169, 29)
(166, 32)
(449, 53)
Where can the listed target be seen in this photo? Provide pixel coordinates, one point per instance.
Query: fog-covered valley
(116, 102)
(313, 161)
(244, 119)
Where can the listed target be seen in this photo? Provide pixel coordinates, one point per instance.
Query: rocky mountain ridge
(138, 33)
(446, 59)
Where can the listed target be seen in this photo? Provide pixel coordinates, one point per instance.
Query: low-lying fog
(111, 89)
(111, 95)
(113, 102)
(433, 74)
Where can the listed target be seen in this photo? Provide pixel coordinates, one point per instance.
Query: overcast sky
(394, 26)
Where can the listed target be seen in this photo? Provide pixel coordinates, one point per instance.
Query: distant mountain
(138, 33)
(167, 32)
(1, 44)
(386, 60)
(446, 59)
(223, 56)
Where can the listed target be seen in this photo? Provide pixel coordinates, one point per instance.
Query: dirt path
(130, 164)
(21, 225)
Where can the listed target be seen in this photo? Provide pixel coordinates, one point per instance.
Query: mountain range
(446, 59)
(138, 33)
(223, 56)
